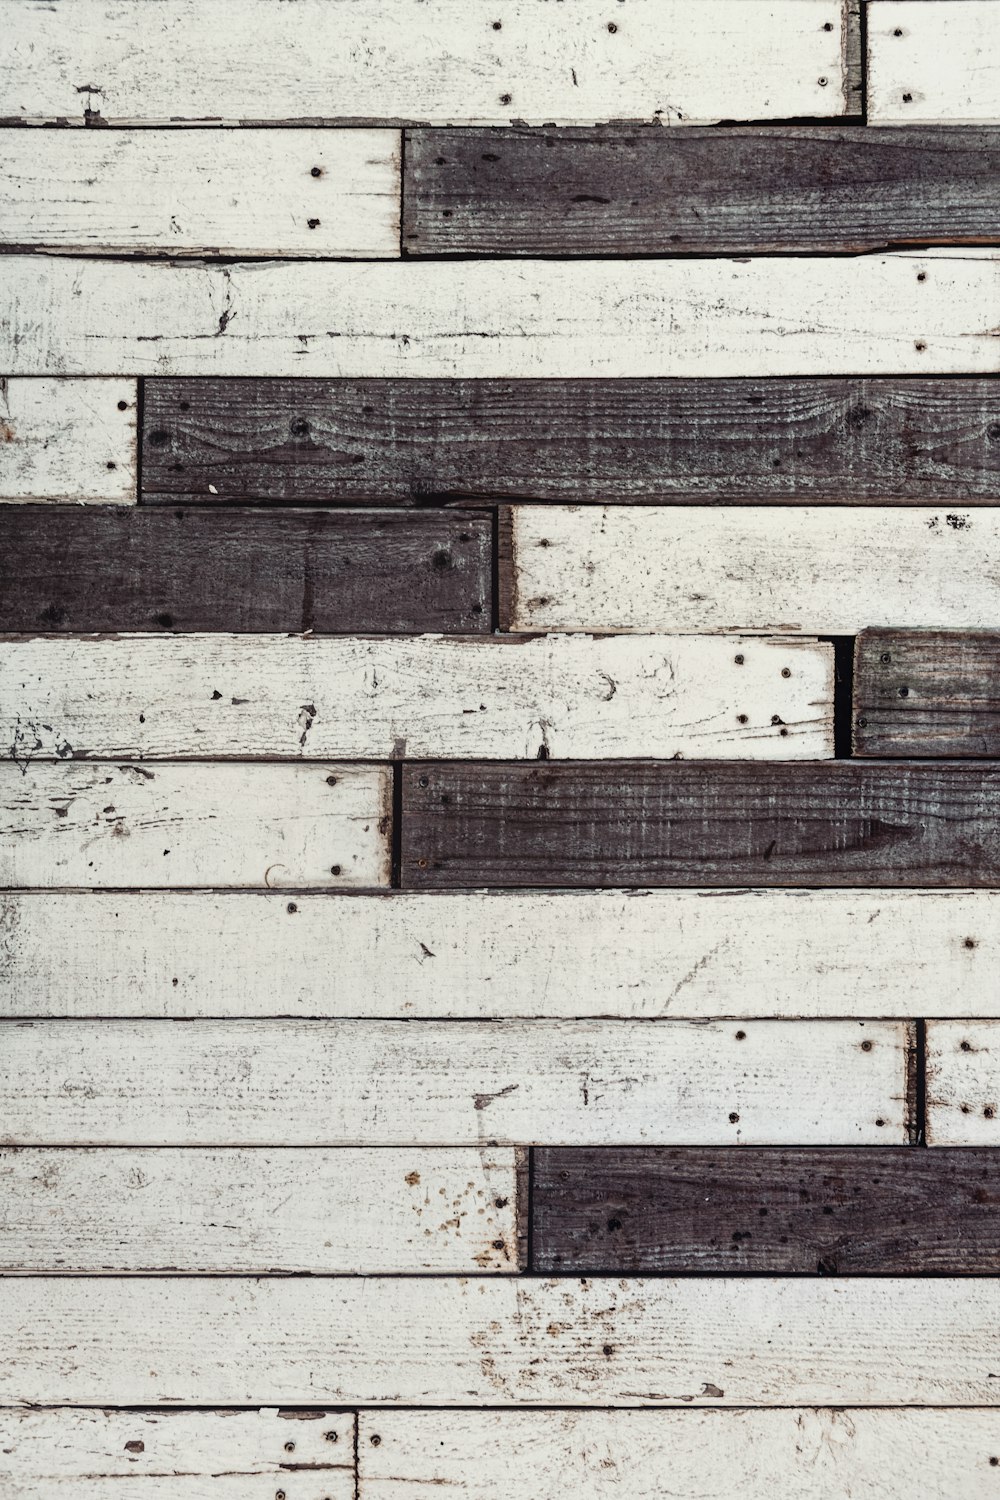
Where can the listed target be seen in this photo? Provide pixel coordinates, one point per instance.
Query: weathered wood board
(818, 570)
(573, 823)
(243, 570)
(927, 693)
(386, 1083)
(346, 1212)
(68, 440)
(933, 62)
(70, 824)
(963, 1081)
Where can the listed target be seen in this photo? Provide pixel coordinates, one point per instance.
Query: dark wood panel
(73, 569)
(696, 1211)
(927, 693)
(639, 823)
(651, 191)
(425, 442)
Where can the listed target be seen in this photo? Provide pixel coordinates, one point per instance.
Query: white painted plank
(821, 570)
(351, 1211)
(439, 61)
(179, 192)
(421, 696)
(496, 955)
(963, 1080)
(930, 313)
(73, 824)
(933, 63)
(341, 1083)
(824, 1454)
(69, 440)
(501, 1340)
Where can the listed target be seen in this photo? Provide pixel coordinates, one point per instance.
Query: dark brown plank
(697, 1211)
(931, 692)
(715, 823)
(111, 568)
(741, 191)
(425, 442)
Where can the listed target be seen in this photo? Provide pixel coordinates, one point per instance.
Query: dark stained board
(651, 191)
(690, 823)
(745, 1210)
(110, 568)
(927, 693)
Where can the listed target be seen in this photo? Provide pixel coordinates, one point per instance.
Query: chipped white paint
(933, 63)
(963, 1079)
(87, 825)
(68, 440)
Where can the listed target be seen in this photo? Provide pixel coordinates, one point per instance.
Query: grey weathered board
(736, 191)
(115, 569)
(927, 693)
(840, 441)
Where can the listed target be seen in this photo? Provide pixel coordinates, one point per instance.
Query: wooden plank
(574, 823)
(815, 569)
(930, 63)
(259, 826)
(243, 570)
(385, 1083)
(353, 1212)
(963, 1087)
(219, 696)
(501, 955)
(500, 1340)
(698, 1211)
(257, 192)
(443, 62)
(927, 693)
(69, 440)
(906, 313)
(697, 192)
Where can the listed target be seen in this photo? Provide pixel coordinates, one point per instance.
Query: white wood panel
(963, 1080)
(333, 1083)
(440, 61)
(821, 570)
(350, 1211)
(928, 313)
(482, 955)
(430, 696)
(178, 192)
(70, 440)
(87, 825)
(930, 63)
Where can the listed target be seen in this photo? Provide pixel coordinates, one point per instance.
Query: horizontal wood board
(927, 693)
(68, 440)
(933, 62)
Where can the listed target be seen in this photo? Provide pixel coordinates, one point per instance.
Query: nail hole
(123, 406)
(291, 908)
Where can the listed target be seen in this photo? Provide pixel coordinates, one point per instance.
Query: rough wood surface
(70, 824)
(69, 440)
(74, 570)
(699, 823)
(933, 62)
(386, 1083)
(693, 1211)
(930, 693)
(963, 1081)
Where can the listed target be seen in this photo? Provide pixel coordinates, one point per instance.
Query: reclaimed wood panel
(388, 1083)
(695, 1211)
(70, 824)
(933, 62)
(927, 693)
(818, 570)
(355, 1212)
(501, 955)
(246, 570)
(573, 823)
(963, 1081)
(68, 440)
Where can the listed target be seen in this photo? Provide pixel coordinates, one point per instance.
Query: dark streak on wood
(927, 693)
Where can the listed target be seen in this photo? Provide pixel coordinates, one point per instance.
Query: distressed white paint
(963, 1080)
(419, 696)
(350, 1211)
(87, 825)
(929, 313)
(823, 570)
(180, 192)
(68, 440)
(943, 66)
(334, 1083)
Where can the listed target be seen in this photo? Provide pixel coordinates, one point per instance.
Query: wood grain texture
(68, 440)
(818, 570)
(445, 62)
(699, 823)
(70, 824)
(474, 1083)
(501, 955)
(699, 1211)
(963, 1081)
(927, 693)
(934, 62)
(697, 192)
(931, 312)
(243, 570)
